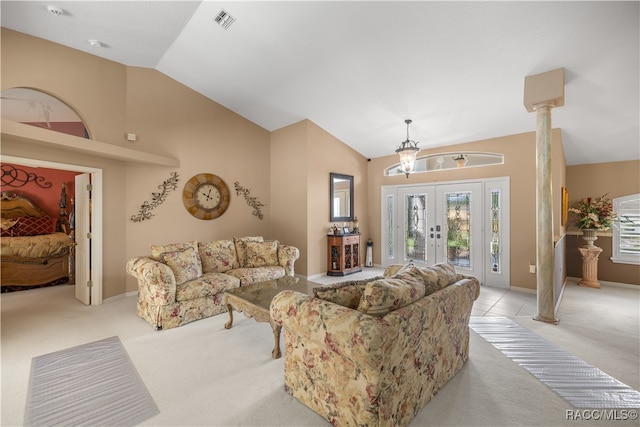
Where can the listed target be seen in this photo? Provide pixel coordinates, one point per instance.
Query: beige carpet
(202, 374)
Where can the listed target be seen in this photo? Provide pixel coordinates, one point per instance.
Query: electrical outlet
(532, 269)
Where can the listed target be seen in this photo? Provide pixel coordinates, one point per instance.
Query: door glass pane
(458, 212)
(495, 231)
(391, 238)
(416, 226)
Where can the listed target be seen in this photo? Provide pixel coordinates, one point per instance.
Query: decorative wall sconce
(461, 160)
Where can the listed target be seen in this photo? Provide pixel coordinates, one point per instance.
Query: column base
(589, 284)
(551, 320)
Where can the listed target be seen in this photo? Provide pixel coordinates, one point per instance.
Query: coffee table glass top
(261, 294)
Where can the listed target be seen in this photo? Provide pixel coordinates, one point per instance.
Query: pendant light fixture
(407, 152)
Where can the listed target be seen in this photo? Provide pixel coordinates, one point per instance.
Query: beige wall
(287, 170)
(519, 164)
(307, 154)
(169, 119)
(95, 87)
(615, 179)
(289, 189)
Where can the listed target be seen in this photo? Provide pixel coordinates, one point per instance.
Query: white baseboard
(524, 290)
(606, 283)
(117, 297)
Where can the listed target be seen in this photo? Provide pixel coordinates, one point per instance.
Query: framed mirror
(340, 197)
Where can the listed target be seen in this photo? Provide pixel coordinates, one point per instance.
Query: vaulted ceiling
(358, 69)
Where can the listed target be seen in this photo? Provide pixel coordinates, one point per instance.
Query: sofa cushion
(346, 294)
(262, 254)
(409, 272)
(249, 276)
(184, 264)
(241, 247)
(218, 256)
(437, 276)
(158, 250)
(208, 285)
(392, 269)
(385, 295)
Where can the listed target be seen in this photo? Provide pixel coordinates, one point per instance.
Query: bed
(32, 252)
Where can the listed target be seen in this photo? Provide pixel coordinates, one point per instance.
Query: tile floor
(491, 302)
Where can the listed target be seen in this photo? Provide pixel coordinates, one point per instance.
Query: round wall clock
(206, 196)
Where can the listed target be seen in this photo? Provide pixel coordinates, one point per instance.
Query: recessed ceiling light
(224, 19)
(55, 10)
(95, 43)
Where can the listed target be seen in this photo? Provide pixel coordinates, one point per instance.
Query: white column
(544, 215)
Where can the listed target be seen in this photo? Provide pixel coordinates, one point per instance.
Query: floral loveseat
(374, 352)
(182, 282)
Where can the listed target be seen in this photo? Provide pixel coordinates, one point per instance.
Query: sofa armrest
(476, 282)
(287, 256)
(360, 338)
(156, 281)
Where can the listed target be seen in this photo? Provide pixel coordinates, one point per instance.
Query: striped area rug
(91, 384)
(579, 383)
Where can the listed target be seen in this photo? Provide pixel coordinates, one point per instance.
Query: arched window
(442, 161)
(36, 108)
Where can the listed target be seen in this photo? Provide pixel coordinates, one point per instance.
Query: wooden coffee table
(254, 301)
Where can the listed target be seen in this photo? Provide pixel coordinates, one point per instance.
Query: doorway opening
(465, 223)
(94, 295)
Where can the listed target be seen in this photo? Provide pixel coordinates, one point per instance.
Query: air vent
(55, 10)
(224, 19)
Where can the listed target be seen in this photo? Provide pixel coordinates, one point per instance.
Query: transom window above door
(443, 161)
(36, 108)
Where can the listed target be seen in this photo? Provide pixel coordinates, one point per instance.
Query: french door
(464, 223)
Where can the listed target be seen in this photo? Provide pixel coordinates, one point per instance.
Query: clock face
(206, 196)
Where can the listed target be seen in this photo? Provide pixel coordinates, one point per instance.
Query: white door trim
(96, 215)
(500, 279)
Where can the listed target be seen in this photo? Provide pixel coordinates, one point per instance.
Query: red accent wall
(47, 199)
(71, 128)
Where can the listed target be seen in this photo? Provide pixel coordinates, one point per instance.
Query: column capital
(544, 88)
(543, 105)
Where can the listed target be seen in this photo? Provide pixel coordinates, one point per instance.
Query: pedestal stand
(590, 255)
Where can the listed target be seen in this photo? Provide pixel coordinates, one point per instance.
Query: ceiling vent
(224, 19)
(55, 10)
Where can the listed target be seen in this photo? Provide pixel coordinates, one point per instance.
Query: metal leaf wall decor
(156, 198)
(251, 201)
(16, 177)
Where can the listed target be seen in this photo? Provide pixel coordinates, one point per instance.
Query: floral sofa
(182, 282)
(374, 352)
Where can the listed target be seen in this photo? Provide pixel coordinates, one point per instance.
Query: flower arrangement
(593, 213)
